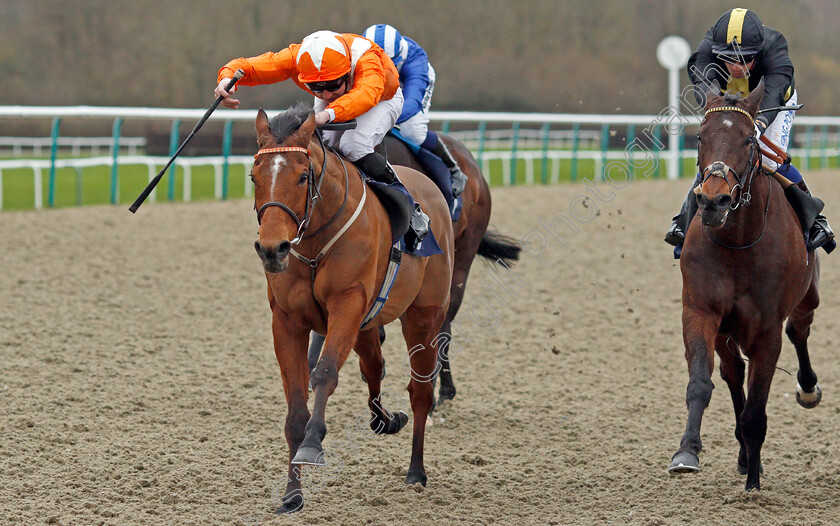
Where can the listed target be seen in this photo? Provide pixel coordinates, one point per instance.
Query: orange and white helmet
(322, 56)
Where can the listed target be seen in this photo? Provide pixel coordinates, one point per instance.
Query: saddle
(401, 210)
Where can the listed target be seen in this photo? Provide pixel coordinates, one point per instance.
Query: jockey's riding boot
(459, 180)
(820, 234)
(418, 228)
(679, 224)
(377, 168)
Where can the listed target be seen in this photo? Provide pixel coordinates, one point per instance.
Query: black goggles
(327, 85)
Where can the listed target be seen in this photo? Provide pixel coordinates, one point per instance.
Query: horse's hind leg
(372, 365)
(797, 328)
(465, 254)
(421, 326)
(732, 371)
(345, 316)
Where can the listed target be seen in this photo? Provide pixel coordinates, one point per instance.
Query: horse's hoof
(809, 400)
(309, 456)
(743, 470)
(755, 486)
(447, 392)
(396, 423)
(684, 462)
(292, 505)
(416, 477)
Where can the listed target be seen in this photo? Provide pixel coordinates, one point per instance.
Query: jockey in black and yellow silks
(736, 53)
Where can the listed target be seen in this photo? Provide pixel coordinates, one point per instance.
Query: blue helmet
(388, 38)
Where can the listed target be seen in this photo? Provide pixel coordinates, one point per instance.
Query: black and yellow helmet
(737, 32)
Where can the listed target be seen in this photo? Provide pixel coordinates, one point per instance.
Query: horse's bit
(720, 169)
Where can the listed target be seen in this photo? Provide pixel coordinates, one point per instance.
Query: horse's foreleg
(344, 317)
(372, 365)
(290, 349)
(798, 328)
(732, 371)
(699, 333)
(421, 326)
(763, 356)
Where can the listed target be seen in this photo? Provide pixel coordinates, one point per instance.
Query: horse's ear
(304, 133)
(754, 98)
(262, 123)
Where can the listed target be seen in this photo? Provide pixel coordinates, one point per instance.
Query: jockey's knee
(414, 132)
(354, 147)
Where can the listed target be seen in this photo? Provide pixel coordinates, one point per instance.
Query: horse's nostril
(283, 249)
(723, 201)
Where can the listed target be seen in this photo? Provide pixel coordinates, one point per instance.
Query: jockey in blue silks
(417, 78)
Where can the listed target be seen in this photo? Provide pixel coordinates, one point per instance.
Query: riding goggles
(327, 85)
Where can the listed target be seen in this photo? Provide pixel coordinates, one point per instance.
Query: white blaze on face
(727, 123)
(276, 168)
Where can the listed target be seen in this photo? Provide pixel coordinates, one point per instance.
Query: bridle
(313, 192)
(720, 169)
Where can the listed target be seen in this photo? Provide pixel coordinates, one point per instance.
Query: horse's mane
(730, 98)
(287, 122)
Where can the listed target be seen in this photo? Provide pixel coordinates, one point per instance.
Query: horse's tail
(499, 248)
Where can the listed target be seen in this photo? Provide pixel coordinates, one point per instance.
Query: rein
(313, 192)
(720, 169)
(313, 195)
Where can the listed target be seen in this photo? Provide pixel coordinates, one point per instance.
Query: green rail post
(56, 125)
(575, 138)
(823, 147)
(545, 132)
(631, 136)
(482, 127)
(115, 180)
(838, 145)
(78, 185)
(680, 148)
(173, 147)
(444, 129)
(605, 145)
(513, 147)
(226, 142)
(657, 132)
(809, 133)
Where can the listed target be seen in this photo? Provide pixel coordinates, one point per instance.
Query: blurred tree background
(567, 56)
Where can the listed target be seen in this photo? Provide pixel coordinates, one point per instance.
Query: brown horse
(340, 245)
(471, 239)
(745, 269)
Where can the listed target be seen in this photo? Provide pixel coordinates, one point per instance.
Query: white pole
(672, 53)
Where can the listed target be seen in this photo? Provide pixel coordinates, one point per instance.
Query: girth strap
(390, 277)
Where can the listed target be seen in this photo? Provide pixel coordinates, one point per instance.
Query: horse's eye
(251, 175)
(303, 177)
(747, 141)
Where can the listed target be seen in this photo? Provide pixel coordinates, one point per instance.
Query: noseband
(721, 169)
(313, 190)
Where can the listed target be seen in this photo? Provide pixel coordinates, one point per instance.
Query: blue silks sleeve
(414, 78)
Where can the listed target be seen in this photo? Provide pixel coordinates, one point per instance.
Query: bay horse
(312, 205)
(471, 239)
(745, 269)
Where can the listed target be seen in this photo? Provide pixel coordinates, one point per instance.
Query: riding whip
(151, 186)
